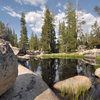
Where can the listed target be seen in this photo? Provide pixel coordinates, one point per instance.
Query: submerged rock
(97, 72)
(73, 84)
(8, 67)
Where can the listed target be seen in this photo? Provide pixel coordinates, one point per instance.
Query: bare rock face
(74, 84)
(97, 72)
(28, 86)
(8, 67)
(91, 53)
(15, 49)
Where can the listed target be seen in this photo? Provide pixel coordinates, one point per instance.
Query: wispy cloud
(59, 4)
(35, 19)
(11, 11)
(32, 2)
(88, 18)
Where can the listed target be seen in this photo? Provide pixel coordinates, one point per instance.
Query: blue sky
(10, 11)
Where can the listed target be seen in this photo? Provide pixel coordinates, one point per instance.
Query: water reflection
(86, 69)
(54, 70)
(48, 71)
(67, 68)
(33, 64)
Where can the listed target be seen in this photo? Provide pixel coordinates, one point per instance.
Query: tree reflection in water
(53, 70)
(48, 71)
(67, 68)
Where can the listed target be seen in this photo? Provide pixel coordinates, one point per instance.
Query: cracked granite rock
(8, 67)
(29, 86)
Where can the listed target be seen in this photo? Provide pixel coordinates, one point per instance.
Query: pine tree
(62, 36)
(36, 43)
(95, 36)
(2, 28)
(23, 38)
(96, 28)
(48, 32)
(10, 34)
(71, 34)
(31, 42)
(68, 34)
(15, 39)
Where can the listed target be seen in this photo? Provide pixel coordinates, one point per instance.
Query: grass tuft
(80, 95)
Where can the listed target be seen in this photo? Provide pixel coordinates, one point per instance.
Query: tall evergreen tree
(15, 39)
(71, 35)
(31, 42)
(23, 38)
(2, 28)
(94, 40)
(97, 10)
(68, 34)
(36, 42)
(95, 36)
(48, 32)
(10, 34)
(62, 36)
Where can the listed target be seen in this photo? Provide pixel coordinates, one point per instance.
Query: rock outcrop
(73, 84)
(24, 58)
(29, 86)
(8, 67)
(97, 72)
(91, 53)
(47, 95)
(15, 50)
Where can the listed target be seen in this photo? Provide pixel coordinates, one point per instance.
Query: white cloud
(59, 4)
(35, 20)
(32, 2)
(11, 12)
(88, 18)
(59, 18)
(59, 11)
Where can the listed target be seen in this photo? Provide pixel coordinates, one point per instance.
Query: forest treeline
(70, 33)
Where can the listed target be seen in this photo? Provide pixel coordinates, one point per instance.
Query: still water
(54, 70)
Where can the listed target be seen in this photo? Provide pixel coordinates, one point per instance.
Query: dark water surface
(54, 70)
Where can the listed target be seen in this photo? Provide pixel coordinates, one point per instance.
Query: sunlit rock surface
(91, 53)
(74, 84)
(97, 72)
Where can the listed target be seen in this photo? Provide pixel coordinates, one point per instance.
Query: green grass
(72, 56)
(96, 66)
(80, 95)
(98, 58)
